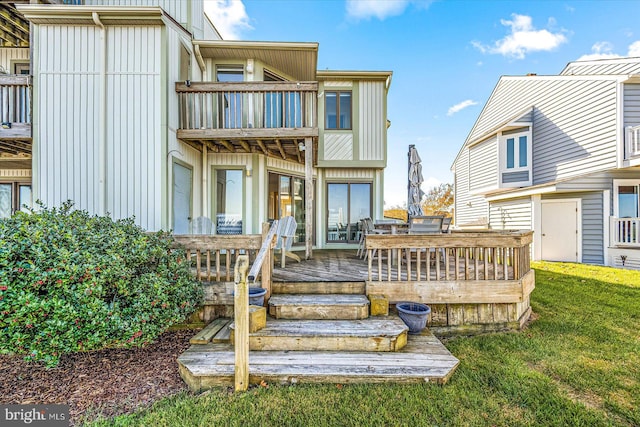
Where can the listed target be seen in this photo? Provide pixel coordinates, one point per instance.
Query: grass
(577, 364)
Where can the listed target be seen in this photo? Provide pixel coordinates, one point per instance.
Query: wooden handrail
(267, 245)
(203, 87)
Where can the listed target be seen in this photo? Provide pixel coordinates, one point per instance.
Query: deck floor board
(424, 358)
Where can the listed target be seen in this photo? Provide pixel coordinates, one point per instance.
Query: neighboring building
(559, 155)
(144, 111)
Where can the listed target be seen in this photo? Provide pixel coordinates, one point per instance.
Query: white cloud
(460, 106)
(604, 50)
(381, 9)
(600, 50)
(523, 39)
(229, 17)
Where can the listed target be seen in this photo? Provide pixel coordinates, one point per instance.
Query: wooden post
(267, 264)
(241, 319)
(308, 194)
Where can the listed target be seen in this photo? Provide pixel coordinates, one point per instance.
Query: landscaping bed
(99, 383)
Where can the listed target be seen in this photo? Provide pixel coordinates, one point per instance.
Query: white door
(182, 179)
(560, 233)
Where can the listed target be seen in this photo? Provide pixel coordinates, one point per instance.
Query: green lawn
(578, 363)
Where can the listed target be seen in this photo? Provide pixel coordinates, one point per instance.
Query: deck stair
(329, 306)
(322, 333)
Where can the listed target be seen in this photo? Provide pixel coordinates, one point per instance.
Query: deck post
(308, 193)
(241, 319)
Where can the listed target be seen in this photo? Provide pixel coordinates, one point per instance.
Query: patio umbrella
(415, 194)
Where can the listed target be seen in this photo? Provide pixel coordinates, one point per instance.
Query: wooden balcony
(632, 142)
(15, 115)
(269, 118)
(625, 232)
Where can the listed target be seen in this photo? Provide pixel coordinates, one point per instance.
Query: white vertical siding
(372, 120)
(632, 104)
(69, 102)
(468, 208)
(512, 214)
(66, 120)
(10, 55)
(483, 165)
(178, 9)
(134, 156)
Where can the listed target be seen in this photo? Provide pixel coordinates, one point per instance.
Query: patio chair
(285, 234)
(367, 228)
(446, 223)
(430, 224)
(202, 225)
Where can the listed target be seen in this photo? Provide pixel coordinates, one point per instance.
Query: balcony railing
(625, 232)
(15, 107)
(632, 139)
(247, 105)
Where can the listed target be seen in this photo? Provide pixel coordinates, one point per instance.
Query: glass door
(229, 201)
(287, 198)
(347, 204)
(230, 103)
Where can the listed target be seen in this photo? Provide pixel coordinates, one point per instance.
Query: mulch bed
(107, 382)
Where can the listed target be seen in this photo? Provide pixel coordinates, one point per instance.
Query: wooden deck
(423, 359)
(327, 265)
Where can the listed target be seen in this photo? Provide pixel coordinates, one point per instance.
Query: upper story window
(338, 109)
(515, 159)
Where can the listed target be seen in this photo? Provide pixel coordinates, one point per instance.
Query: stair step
(388, 334)
(331, 306)
(318, 288)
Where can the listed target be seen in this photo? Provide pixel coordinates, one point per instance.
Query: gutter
(199, 59)
(102, 138)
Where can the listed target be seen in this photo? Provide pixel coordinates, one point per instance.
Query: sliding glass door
(287, 198)
(347, 204)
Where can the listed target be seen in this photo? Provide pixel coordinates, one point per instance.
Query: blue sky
(446, 56)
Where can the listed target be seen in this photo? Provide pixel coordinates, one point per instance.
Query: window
(230, 103)
(287, 198)
(13, 197)
(347, 205)
(515, 158)
(338, 110)
(626, 195)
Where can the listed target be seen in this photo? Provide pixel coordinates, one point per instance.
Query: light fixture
(301, 146)
(248, 171)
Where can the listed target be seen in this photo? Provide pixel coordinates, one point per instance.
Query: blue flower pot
(256, 296)
(414, 315)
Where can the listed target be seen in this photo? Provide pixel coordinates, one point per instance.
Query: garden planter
(256, 296)
(414, 315)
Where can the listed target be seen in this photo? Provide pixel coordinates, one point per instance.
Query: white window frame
(502, 153)
(616, 192)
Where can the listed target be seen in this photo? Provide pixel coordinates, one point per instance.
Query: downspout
(102, 138)
(200, 60)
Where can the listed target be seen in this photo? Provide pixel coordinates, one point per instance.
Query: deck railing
(456, 268)
(212, 257)
(632, 139)
(15, 96)
(246, 105)
(625, 231)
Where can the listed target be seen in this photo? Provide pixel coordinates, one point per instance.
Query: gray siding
(632, 104)
(621, 66)
(468, 208)
(509, 177)
(483, 167)
(512, 214)
(592, 224)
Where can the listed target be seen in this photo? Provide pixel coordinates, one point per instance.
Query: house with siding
(139, 108)
(559, 154)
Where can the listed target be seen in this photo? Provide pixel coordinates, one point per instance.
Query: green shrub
(74, 282)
